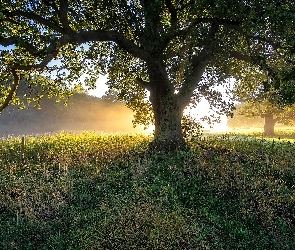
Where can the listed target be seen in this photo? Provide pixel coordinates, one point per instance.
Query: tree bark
(168, 133)
(269, 124)
(168, 111)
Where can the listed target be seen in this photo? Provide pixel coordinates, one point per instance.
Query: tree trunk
(269, 125)
(168, 134)
(168, 110)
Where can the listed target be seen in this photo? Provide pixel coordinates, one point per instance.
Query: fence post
(22, 151)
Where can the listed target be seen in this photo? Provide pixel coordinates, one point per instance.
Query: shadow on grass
(206, 198)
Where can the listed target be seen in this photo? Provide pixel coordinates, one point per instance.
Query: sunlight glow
(101, 87)
(149, 130)
(200, 111)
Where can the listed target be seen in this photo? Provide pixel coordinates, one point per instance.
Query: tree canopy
(179, 51)
(239, 119)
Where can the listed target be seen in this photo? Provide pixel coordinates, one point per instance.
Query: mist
(83, 113)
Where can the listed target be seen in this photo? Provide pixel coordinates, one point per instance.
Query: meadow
(88, 191)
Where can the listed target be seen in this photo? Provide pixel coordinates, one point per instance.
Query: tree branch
(40, 65)
(199, 63)
(12, 91)
(237, 28)
(184, 32)
(80, 38)
(50, 4)
(143, 84)
(183, 6)
(35, 17)
(173, 12)
(63, 15)
(51, 53)
(6, 41)
(240, 56)
(112, 36)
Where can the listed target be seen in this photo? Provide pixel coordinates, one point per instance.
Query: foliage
(191, 128)
(178, 51)
(84, 191)
(282, 93)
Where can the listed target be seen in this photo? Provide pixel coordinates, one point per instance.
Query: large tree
(177, 50)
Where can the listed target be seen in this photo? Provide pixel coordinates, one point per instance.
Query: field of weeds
(88, 191)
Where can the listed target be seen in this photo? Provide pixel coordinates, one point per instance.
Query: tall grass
(88, 191)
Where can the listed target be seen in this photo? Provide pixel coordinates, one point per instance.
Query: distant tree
(246, 113)
(238, 120)
(179, 51)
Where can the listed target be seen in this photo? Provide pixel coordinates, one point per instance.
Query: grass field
(87, 191)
